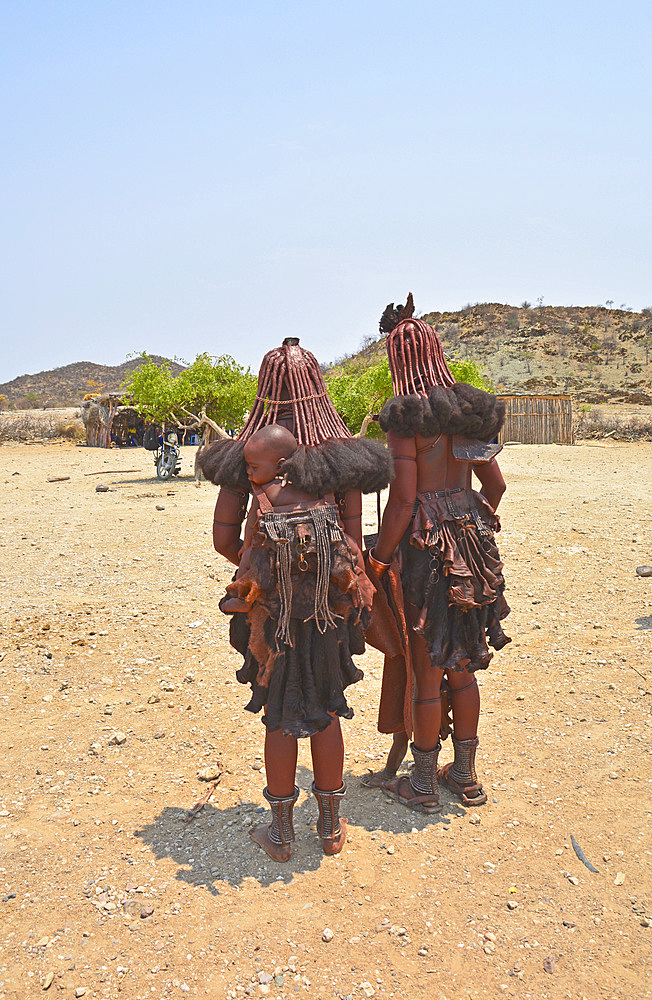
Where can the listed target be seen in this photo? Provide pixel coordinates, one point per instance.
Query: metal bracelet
(377, 565)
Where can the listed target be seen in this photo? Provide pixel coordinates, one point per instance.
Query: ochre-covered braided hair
(290, 381)
(416, 357)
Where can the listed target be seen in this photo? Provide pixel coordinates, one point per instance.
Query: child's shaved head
(265, 450)
(277, 441)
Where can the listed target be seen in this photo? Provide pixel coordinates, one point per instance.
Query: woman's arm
(493, 484)
(226, 524)
(250, 523)
(351, 516)
(402, 494)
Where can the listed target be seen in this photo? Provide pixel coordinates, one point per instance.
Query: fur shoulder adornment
(222, 463)
(339, 465)
(458, 409)
(336, 466)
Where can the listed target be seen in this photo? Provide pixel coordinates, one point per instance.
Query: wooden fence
(538, 420)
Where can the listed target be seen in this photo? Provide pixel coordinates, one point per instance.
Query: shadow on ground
(215, 847)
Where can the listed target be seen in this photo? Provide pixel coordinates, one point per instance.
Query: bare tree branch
(365, 426)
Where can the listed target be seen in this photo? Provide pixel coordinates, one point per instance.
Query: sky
(179, 177)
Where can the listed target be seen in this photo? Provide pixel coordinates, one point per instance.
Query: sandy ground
(110, 625)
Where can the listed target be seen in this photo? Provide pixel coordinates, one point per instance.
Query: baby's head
(265, 450)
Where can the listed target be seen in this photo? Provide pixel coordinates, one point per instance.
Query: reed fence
(538, 419)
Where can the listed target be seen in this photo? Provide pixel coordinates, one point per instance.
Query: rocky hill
(68, 385)
(594, 353)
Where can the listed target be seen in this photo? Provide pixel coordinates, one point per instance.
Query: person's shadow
(644, 623)
(215, 846)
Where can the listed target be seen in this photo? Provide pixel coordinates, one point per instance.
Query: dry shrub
(20, 425)
(619, 426)
(73, 430)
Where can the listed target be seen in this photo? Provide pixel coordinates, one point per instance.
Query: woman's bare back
(437, 468)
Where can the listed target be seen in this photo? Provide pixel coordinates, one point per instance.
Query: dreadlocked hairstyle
(416, 357)
(328, 459)
(427, 399)
(290, 380)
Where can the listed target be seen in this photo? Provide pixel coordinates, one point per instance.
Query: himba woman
(299, 635)
(438, 534)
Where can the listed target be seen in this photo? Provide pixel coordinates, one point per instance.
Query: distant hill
(594, 353)
(68, 385)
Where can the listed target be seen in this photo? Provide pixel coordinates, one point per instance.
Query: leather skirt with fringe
(306, 687)
(452, 572)
(300, 681)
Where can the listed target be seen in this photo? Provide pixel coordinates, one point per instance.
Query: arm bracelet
(378, 566)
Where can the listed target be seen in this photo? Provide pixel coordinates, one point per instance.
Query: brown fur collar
(335, 466)
(459, 409)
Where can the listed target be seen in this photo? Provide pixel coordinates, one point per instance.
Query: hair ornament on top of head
(290, 379)
(416, 358)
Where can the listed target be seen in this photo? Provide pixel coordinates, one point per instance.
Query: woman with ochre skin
(443, 535)
(329, 461)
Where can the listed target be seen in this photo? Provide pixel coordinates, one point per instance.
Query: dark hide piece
(459, 409)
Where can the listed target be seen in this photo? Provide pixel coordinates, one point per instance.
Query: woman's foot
(276, 839)
(331, 829)
(333, 845)
(460, 775)
(470, 794)
(402, 790)
(395, 757)
(277, 852)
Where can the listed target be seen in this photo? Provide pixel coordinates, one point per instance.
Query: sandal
(427, 803)
(466, 785)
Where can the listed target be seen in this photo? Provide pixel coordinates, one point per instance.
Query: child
(302, 585)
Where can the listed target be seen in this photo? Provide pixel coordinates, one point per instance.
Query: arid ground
(118, 689)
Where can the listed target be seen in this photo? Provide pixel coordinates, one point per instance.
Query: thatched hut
(110, 419)
(538, 419)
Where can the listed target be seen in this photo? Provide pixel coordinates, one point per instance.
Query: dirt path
(110, 625)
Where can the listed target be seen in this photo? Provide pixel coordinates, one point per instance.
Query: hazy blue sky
(189, 176)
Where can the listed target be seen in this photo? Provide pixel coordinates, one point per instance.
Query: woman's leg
(280, 762)
(327, 750)
(426, 711)
(460, 775)
(465, 703)
(420, 788)
(281, 793)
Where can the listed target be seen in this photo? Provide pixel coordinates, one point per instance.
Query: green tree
(210, 390)
(362, 389)
(151, 386)
(219, 388)
(359, 390)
